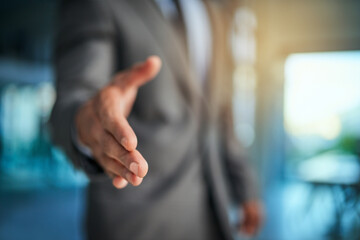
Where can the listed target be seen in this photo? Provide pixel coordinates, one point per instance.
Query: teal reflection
(28, 158)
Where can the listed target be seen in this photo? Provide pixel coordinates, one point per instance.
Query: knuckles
(105, 99)
(137, 181)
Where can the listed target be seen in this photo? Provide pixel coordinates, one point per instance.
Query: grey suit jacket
(196, 166)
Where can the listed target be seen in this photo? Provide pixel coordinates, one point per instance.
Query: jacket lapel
(175, 51)
(220, 86)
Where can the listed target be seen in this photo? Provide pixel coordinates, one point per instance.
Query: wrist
(82, 148)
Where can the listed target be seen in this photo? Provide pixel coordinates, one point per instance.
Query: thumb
(139, 74)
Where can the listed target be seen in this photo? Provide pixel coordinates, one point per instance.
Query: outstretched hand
(102, 125)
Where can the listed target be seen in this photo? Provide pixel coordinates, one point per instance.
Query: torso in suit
(183, 131)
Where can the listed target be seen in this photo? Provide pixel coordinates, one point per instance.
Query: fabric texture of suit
(196, 167)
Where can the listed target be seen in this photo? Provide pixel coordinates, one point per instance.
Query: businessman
(144, 92)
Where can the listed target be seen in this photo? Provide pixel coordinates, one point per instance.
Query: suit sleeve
(240, 174)
(84, 63)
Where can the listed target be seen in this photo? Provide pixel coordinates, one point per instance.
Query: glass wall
(322, 146)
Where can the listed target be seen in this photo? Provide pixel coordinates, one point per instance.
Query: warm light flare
(320, 89)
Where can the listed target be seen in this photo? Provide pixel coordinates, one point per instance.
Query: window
(322, 107)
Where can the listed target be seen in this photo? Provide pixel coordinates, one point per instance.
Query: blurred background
(296, 103)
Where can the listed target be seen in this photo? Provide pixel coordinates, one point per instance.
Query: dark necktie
(179, 25)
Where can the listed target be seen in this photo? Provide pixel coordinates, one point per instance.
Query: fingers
(116, 168)
(119, 182)
(121, 165)
(139, 74)
(122, 131)
(133, 160)
(124, 134)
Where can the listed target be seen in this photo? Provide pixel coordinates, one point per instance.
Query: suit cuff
(245, 194)
(77, 143)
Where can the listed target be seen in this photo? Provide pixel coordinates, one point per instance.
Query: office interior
(296, 104)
